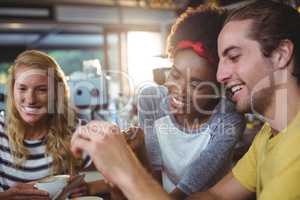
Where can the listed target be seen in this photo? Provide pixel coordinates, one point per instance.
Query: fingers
(27, 190)
(30, 194)
(32, 198)
(106, 146)
(80, 191)
(96, 128)
(32, 183)
(79, 144)
(33, 192)
(93, 131)
(135, 138)
(81, 132)
(22, 186)
(29, 198)
(134, 133)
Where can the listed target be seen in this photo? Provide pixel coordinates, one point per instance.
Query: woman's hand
(116, 194)
(81, 190)
(24, 191)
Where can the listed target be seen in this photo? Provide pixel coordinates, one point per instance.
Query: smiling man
(259, 65)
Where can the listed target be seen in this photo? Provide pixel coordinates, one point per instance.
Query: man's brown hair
(272, 22)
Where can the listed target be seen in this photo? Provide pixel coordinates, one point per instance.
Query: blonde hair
(61, 121)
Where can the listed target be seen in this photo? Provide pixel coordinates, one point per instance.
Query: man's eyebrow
(225, 52)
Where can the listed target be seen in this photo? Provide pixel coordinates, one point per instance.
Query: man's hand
(111, 155)
(136, 140)
(108, 149)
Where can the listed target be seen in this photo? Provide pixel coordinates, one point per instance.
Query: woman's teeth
(32, 110)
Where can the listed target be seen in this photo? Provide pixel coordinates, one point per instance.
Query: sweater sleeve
(149, 110)
(211, 165)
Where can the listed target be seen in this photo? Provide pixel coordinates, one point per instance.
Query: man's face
(243, 69)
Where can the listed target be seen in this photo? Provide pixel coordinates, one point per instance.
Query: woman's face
(191, 84)
(31, 94)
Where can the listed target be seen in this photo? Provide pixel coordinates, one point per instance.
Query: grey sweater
(226, 128)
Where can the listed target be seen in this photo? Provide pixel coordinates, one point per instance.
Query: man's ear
(283, 54)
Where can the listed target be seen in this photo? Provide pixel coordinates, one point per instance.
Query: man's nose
(224, 73)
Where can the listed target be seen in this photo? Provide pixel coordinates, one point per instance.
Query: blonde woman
(35, 137)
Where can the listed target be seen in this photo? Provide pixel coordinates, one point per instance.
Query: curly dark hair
(272, 23)
(202, 24)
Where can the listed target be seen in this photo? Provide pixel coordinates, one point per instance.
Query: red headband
(197, 47)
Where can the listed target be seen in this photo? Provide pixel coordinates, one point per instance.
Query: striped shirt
(37, 166)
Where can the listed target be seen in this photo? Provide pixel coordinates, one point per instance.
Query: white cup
(54, 185)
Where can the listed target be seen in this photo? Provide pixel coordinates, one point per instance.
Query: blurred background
(109, 49)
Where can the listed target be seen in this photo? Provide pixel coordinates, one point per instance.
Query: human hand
(135, 138)
(25, 191)
(108, 149)
(116, 193)
(81, 190)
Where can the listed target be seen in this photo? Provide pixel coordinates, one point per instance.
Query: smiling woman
(190, 131)
(31, 95)
(35, 137)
